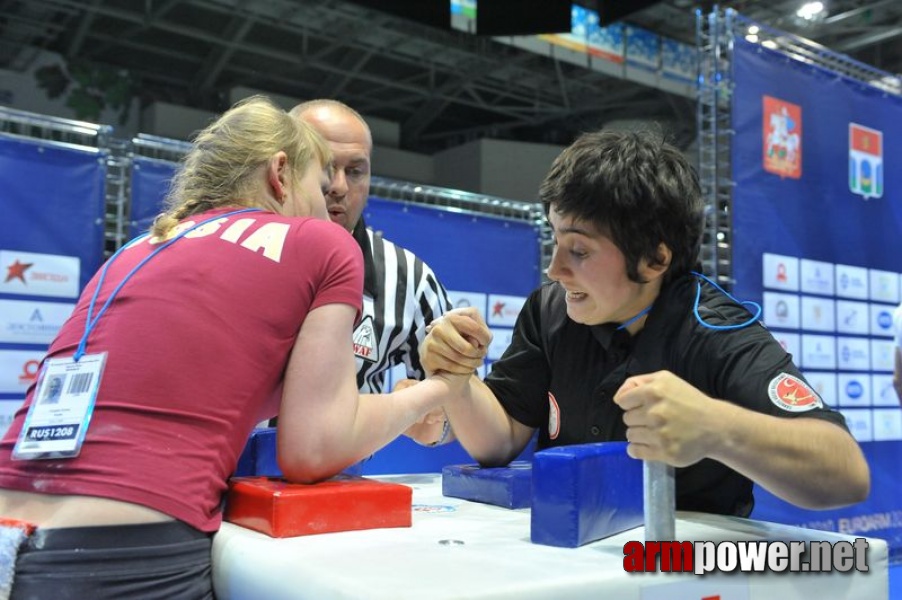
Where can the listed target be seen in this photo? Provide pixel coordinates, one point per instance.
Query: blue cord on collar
(747, 303)
(642, 313)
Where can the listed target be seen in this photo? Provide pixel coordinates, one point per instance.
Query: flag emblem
(782, 131)
(865, 161)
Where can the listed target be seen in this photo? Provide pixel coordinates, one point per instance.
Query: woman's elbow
(307, 467)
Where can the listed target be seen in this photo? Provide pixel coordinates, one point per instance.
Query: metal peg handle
(659, 491)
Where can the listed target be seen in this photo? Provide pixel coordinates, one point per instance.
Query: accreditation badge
(61, 408)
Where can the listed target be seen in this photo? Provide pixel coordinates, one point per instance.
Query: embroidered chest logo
(554, 417)
(791, 393)
(365, 340)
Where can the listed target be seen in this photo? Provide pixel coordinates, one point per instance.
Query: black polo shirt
(560, 377)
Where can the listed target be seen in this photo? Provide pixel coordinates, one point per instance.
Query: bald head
(325, 111)
(351, 143)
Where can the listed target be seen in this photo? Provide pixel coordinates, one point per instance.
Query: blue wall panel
(819, 208)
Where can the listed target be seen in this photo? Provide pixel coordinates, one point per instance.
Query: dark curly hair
(635, 188)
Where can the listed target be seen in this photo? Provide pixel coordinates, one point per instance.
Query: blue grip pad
(584, 493)
(260, 456)
(265, 462)
(247, 460)
(508, 486)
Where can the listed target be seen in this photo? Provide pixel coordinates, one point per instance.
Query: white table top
(467, 550)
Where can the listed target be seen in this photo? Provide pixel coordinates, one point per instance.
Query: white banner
(31, 274)
(8, 410)
(25, 322)
(503, 310)
(18, 369)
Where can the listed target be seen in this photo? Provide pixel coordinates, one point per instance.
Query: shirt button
(595, 430)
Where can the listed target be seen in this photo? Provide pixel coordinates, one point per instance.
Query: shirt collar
(668, 311)
(605, 334)
(369, 266)
(664, 321)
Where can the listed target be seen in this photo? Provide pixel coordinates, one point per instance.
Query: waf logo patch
(365, 340)
(554, 417)
(791, 393)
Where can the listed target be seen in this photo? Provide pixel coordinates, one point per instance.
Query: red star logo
(17, 271)
(498, 309)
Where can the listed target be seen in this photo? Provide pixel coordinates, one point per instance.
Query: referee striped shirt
(401, 296)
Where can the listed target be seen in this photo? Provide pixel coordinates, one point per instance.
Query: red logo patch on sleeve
(554, 417)
(791, 393)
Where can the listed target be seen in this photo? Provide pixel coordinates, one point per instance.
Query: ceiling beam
(870, 6)
(414, 126)
(881, 34)
(84, 25)
(349, 66)
(219, 56)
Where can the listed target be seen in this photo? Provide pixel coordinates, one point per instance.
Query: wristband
(446, 429)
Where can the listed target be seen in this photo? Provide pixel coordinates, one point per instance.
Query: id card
(61, 408)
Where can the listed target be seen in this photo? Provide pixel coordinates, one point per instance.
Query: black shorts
(165, 561)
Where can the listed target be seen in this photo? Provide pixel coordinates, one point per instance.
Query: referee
(401, 294)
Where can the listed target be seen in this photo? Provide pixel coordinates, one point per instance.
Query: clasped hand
(457, 342)
(454, 348)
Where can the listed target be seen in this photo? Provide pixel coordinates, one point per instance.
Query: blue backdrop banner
(467, 251)
(817, 239)
(150, 183)
(51, 243)
(53, 201)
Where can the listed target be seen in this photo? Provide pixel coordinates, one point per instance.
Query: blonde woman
(239, 304)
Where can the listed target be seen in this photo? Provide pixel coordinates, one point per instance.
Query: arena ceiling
(444, 87)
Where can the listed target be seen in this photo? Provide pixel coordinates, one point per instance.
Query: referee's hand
(457, 342)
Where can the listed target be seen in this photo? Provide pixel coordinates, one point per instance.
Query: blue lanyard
(642, 313)
(746, 303)
(698, 293)
(89, 324)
